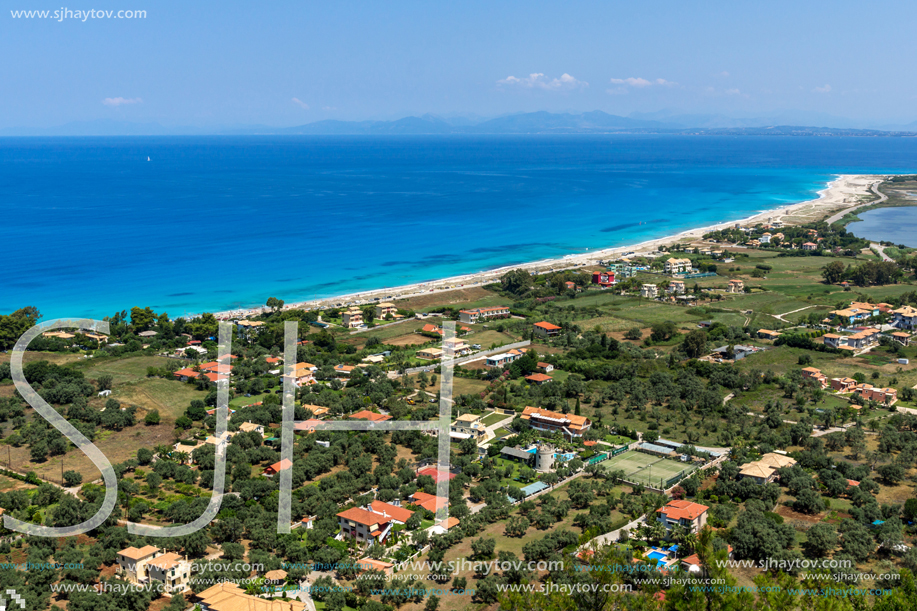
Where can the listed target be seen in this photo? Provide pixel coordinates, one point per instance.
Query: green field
(646, 469)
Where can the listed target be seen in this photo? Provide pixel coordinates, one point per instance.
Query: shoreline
(844, 192)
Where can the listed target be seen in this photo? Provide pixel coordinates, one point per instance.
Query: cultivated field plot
(408, 340)
(647, 469)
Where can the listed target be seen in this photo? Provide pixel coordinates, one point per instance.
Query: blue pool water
(656, 555)
(90, 227)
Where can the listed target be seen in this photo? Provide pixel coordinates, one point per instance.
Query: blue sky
(283, 63)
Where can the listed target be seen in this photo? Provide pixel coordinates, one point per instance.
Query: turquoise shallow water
(92, 227)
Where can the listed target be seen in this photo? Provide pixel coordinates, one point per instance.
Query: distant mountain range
(594, 122)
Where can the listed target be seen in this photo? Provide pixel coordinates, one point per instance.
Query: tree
(72, 478)
(820, 539)
(633, 333)
(891, 473)
(274, 304)
(661, 331)
(695, 343)
(38, 451)
(858, 542)
(153, 480)
(144, 456)
(833, 272)
(483, 549)
(152, 417)
(104, 381)
(142, 319)
(432, 604)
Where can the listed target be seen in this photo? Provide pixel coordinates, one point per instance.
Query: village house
(427, 501)
(692, 516)
(352, 318)
(901, 337)
(504, 358)
(277, 467)
(318, 411)
(369, 564)
(764, 470)
(863, 339)
(458, 347)
(545, 367)
(545, 420)
(227, 596)
(768, 334)
(810, 246)
(386, 309)
(735, 286)
(677, 266)
(843, 385)
(395, 513)
(364, 525)
(133, 562)
(650, 291)
(905, 317)
(371, 416)
(603, 279)
(430, 354)
(483, 314)
(545, 329)
(303, 374)
(343, 370)
(251, 427)
(885, 396)
(571, 286)
(811, 373)
(171, 570)
(468, 425)
(539, 378)
(765, 238)
(430, 328)
(676, 287)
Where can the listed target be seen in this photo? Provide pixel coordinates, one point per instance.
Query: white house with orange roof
(570, 425)
(692, 516)
(545, 329)
(479, 314)
(133, 562)
(172, 570)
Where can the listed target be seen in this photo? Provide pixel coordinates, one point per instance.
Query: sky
(283, 63)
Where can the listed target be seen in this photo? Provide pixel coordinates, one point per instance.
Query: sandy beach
(846, 191)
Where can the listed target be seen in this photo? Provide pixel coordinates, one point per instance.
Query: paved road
(612, 537)
(881, 250)
(874, 187)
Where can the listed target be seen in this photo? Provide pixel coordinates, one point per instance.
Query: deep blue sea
(91, 227)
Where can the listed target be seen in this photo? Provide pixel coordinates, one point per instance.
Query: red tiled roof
(436, 474)
(186, 372)
(368, 415)
(361, 516)
(677, 510)
(398, 513)
(279, 466)
(547, 326)
(538, 377)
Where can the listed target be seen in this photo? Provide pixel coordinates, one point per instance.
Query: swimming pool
(656, 555)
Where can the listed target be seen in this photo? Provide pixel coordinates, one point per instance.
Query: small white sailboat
(147, 158)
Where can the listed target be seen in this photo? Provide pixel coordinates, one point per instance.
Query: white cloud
(537, 80)
(733, 92)
(825, 89)
(627, 84)
(723, 74)
(119, 101)
(299, 102)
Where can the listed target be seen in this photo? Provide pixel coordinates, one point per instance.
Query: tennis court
(648, 469)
